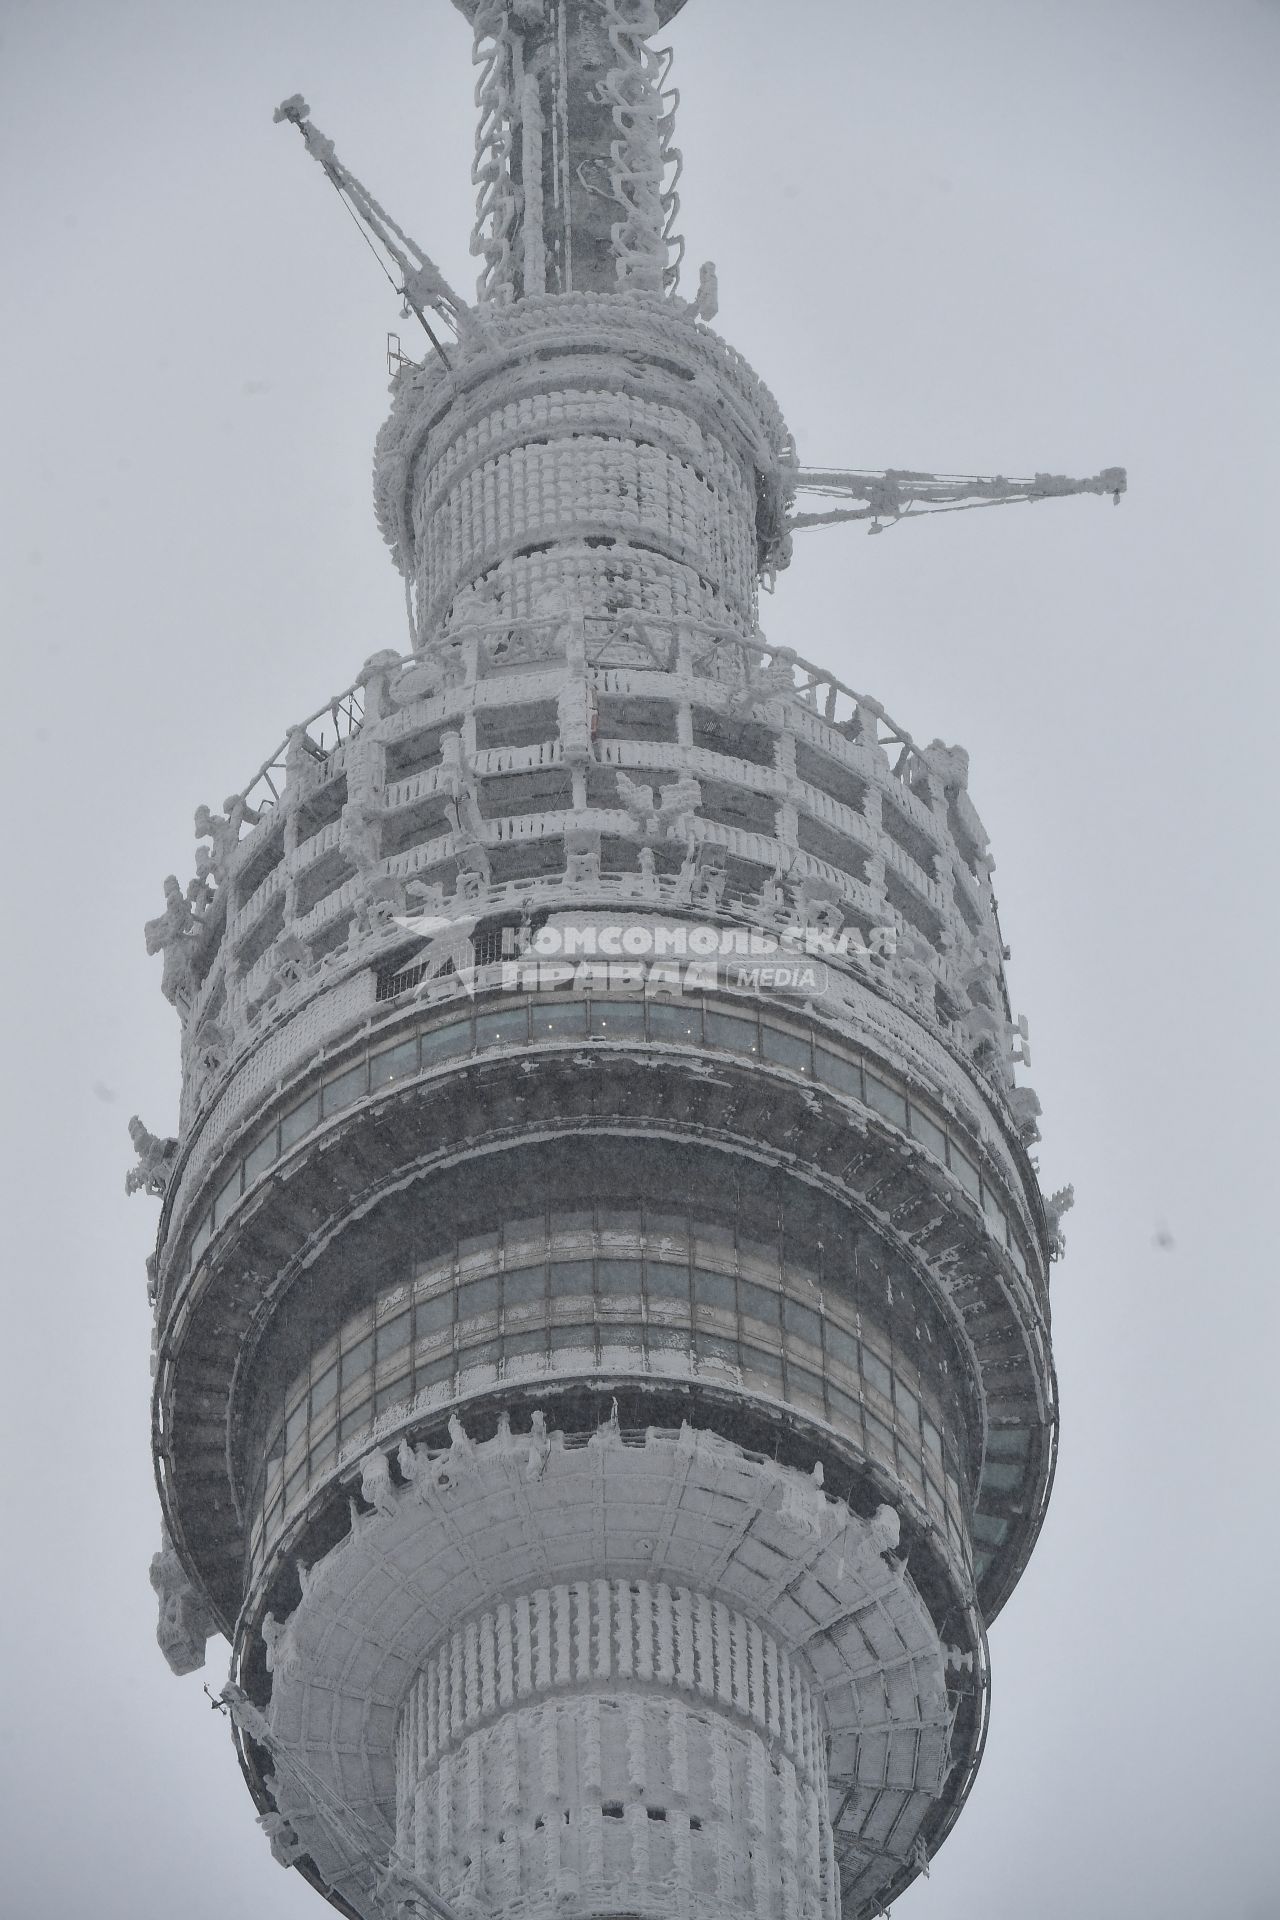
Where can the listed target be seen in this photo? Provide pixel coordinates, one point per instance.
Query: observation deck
(509, 1187)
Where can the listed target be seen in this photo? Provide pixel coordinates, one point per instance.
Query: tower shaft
(575, 163)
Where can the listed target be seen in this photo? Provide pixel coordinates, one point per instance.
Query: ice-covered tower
(602, 1374)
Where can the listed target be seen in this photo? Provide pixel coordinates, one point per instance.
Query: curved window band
(661, 1304)
(797, 1049)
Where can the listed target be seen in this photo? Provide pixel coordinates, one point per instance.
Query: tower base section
(616, 1740)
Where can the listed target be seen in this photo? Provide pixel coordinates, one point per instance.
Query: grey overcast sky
(969, 235)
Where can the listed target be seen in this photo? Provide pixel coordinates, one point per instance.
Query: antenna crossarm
(888, 496)
(422, 284)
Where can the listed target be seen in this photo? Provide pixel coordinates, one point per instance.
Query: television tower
(602, 1374)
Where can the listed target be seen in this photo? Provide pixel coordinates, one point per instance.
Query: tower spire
(575, 163)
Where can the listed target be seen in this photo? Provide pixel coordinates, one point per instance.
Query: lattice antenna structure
(576, 164)
(421, 284)
(887, 497)
(603, 1385)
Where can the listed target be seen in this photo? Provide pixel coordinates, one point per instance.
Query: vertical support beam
(533, 242)
(594, 213)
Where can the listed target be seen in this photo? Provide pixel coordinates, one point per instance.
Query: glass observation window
(345, 1087)
(846, 1410)
(519, 1345)
(558, 1019)
(393, 1063)
(299, 1120)
(618, 1276)
(758, 1303)
(356, 1362)
(833, 1070)
(393, 1336)
(694, 1022)
(990, 1530)
(802, 1322)
(685, 1310)
(259, 1158)
(886, 1100)
(674, 1022)
(805, 1385)
(842, 1347)
(714, 1290)
(571, 1279)
(906, 1403)
(523, 1285)
(965, 1171)
(667, 1281)
(995, 1214)
(932, 1137)
(444, 1043)
(507, 1028)
(618, 1019)
(788, 1049)
(766, 1362)
(737, 1032)
(432, 1316)
(876, 1373)
(478, 1299)
(226, 1197)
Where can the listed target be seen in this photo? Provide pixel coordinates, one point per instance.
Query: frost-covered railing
(768, 671)
(340, 718)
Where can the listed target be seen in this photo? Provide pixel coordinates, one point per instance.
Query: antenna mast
(422, 286)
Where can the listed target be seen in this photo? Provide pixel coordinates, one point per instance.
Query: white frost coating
(184, 1624)
(551, 169)
(491, 171)
(1056, 1206)
(887, 497)
(424, 287)
(642, 155)
(533, 239)
(154, 1160)
(652, 1785)
(443, 425)
(811, 1648)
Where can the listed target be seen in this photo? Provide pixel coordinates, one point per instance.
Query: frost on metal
(575, 164)
(707, 1722)
(602, 1376)
(184, 1623)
